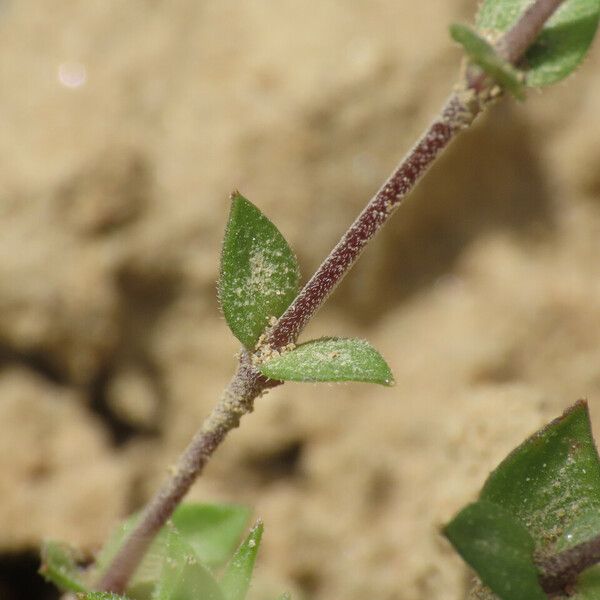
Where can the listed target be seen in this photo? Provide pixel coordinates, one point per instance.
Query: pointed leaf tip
(560, 459)
(259, 272)
(330, 360)
(549, 486)
(236, 579)
(59, 566)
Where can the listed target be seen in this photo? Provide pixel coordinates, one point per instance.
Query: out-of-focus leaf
(183, 577)
(482, 53)
(330, 359)
(59, 566)
(259, 272)
(237, 576)
(499, 549)
(562, 44)
(212, 530)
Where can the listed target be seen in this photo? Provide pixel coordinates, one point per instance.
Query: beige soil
(125, 124)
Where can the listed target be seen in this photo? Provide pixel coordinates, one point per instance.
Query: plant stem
(238, 399)
(516, 41)
(560, 571)
(460, 110)
(458, 113)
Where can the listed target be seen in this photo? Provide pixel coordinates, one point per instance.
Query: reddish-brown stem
(559, 572)
(455, 115)
(458, 113)
(238, 399)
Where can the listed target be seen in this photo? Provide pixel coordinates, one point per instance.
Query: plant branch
(458, 113)
(460, 110)
(559, 572)
(237, 400)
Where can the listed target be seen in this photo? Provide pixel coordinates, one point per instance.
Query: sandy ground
(124, 125)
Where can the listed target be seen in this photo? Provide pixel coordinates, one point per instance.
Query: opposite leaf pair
(259, 280)
(559, 49)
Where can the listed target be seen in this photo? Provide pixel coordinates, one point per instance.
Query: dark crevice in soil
(309, 582)
(146, 295)
(120, 430)
(38, 362)
(284, 463)
(19, 579)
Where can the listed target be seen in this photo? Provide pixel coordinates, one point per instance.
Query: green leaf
(482, 53)
(259, 272)
(183, 577)
(551, 479)
(236, 579)
(562, 44)
(114, 543)
(59, 566)
(329, 359)
(498, 548)
(588, 585)
(582, 529)
(212, 530)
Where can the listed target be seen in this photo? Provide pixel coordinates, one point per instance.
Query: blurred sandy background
(124, 125)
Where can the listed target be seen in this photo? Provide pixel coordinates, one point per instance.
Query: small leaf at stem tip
(236, 579)
(560, 47)
(259, 272)
(498, 548)
(329, 360)
(60, 567)
(483, 54)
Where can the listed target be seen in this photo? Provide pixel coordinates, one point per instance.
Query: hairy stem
(559, 572)
(460, 110)
(458, 113)
(238, 399)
